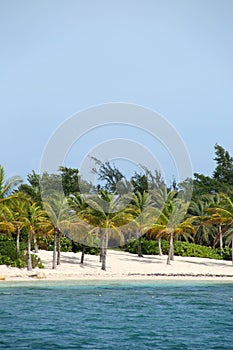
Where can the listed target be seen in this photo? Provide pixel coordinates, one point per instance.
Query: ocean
(116, 315)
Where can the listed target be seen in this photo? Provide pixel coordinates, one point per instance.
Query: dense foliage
(150, 247)
(9, 255)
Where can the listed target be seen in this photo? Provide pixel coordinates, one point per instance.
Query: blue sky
(59, 57)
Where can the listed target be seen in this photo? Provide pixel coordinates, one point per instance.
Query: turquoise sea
(116, 315)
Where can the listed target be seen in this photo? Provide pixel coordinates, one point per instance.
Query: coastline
(122, 266)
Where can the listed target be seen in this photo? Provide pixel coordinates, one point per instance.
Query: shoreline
(121, 266)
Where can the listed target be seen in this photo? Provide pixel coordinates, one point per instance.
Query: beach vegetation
(159, 217)
(181, 248)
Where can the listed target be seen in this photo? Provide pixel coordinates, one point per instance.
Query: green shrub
(226, 253)
(195, 250)
(46, 243)
(148, 247)
(9, 256)
(36, 262)
(180, 248)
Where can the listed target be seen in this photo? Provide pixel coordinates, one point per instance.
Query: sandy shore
(122, 265)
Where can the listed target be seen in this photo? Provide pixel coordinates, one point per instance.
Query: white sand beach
(120, 266)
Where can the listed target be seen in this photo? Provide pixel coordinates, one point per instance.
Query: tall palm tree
(143, 210)
(79, 231)
(34, 218)
(160, 196)
(199, 215)
(105, 214)
(16, 213)
(58, 211)
(171, 223)
(223, 215)
(217, 220)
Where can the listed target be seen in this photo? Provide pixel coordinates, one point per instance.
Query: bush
(195, 250)
(180, 249)
(46, 243)
(148, 247)
(226, 254)
(9, 256)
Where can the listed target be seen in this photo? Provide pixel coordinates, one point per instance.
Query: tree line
(118, 210)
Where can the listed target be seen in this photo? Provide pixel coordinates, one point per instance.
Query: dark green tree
(224, 169)
(70, 180)
(149, 181)
(112, 178)
(32, 188)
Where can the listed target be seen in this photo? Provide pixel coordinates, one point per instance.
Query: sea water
(116, 315)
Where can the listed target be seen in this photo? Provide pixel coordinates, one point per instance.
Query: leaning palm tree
(171, 223)
(160, 196)
(7, 186)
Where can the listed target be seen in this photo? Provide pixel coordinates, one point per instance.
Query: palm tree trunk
(29, 265)
(220, 238)
(54, 249)
(17, 242)
(101, 246)
(35, 243)
(171, 250)
(232, 249)
(139, 245)
(83, 253)
(59, 248)
(105, 251)
(159, 245)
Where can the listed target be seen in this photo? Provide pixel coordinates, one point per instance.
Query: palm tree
(6, 224)
(160, 196)
(171, 223)
(58, 211)
(16, 214)
(217, 220)
(199, 215)
(105, 214)
(78, 231)
(142, 208)
(34, 218)
(7, 186)
(223, 215)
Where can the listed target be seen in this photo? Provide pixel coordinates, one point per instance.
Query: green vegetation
(163, 219)
(10, 257)
(150, 247)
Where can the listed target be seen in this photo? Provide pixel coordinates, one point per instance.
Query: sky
(57, 58)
